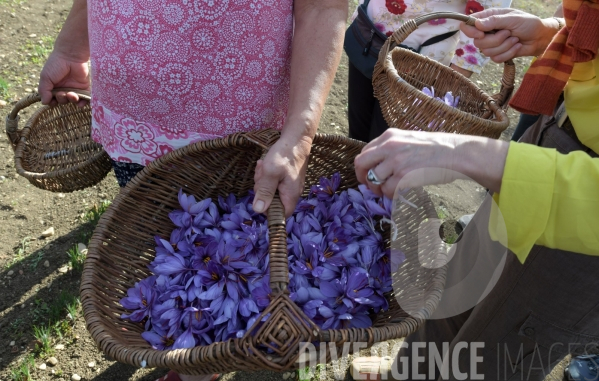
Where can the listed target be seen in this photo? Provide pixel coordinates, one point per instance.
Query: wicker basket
(400, 75)
(54, 150)
(123, 245)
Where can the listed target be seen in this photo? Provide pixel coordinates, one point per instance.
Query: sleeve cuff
(521, 210)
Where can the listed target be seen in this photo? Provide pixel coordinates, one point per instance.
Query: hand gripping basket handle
(12, 119)
(277, 247)
(509, 69)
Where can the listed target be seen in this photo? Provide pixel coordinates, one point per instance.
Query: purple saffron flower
(326, 188)
(261, 295)
(140, 299)
(158, 338)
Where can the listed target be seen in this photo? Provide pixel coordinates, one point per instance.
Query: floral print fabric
(389, 15)
(167, 73)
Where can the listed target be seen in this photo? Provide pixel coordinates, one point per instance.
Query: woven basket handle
(509, 69)
(12, 119)
(277, 247)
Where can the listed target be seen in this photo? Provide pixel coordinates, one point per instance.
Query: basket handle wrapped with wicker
(400, 75)
(54, 150)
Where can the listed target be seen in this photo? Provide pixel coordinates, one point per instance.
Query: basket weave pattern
(400, 75)
(54, 150)
(122, 246)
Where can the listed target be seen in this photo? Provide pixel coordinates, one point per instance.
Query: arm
(399, 157)
(67, 64)
(544, 197)
(549, 199)
(316, 52)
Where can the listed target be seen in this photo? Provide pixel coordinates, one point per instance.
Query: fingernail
(259, 206)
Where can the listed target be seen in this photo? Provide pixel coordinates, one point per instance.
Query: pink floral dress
(167, 73)
(389, 15)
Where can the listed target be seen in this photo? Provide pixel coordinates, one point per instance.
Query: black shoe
(583, 368)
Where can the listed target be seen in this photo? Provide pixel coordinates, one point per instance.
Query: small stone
(286, 375)
(46, 263)
(63, 269)
(12, 344)
(22, 305)
(52, 371)
(48, 232)
(2, 103)
(59, 347)
(42, 366)
(92, 364)
(28, 90)
(332, 124)
(81, 247)
(20, 272)
(32, 35)
(10, 273)
(61, 195)
(52, 361)
(75, 377)
(102, 195)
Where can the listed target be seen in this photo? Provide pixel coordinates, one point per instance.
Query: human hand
(407, 159)
(283, 169)
(63, 71)
(517, 33)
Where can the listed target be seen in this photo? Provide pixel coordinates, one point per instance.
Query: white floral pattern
(167, 73)
(389, 15)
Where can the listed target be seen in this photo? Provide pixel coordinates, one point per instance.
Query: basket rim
(19, 152)
(501, 121)
(139, 356)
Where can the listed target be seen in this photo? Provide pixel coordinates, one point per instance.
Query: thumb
(45, 90)
(265, 187)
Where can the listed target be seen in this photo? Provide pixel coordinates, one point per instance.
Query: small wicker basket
(400, 75)
(54, 150)
(122, 246)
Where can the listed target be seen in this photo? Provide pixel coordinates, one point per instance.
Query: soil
(34, 270)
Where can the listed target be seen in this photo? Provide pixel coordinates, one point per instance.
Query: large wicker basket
(123, 245)
(400, 75)
(54, 150)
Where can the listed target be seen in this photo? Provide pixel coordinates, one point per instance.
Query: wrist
(482, 160)
(550, 26)
(299, 129)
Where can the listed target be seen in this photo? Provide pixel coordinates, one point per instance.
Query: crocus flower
(212, 280)
(140, 299)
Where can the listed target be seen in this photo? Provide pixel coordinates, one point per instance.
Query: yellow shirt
(552, 199)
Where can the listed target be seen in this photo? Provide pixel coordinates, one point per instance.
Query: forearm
(316, 52)
(481, 159)
(73, 40)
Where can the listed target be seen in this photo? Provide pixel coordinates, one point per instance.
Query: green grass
(76, 258)
(72, 307)
(16, 328)
(19, 252)
(94, 214)
(42, 334)
(22, 372)
(4, 92)
(57, 310)
(34, 261)
(39, 50)
(306, 373)
(441, 214)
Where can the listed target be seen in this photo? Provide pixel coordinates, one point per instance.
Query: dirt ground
(35, 270)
